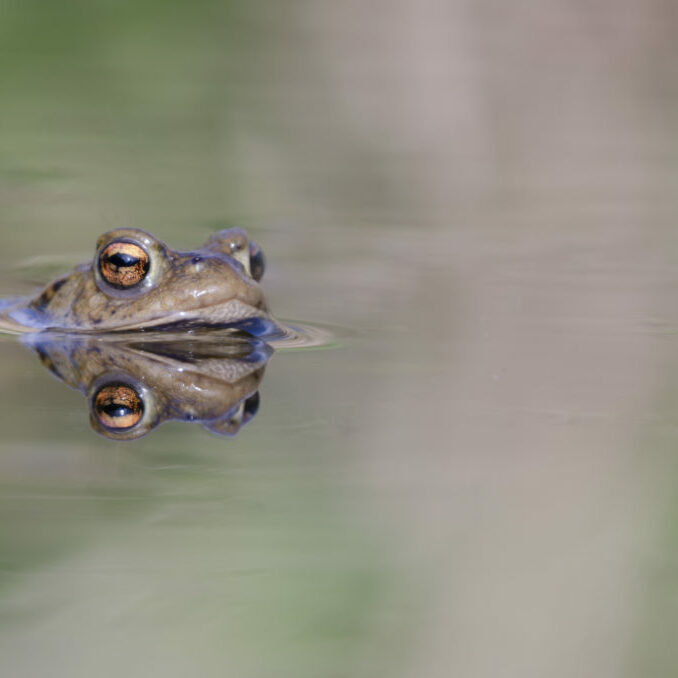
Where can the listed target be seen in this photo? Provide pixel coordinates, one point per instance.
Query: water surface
(479, 477)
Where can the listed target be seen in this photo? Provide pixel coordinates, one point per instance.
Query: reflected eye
(251, 407)
(257, 262)
(124, 264)
(118, 406)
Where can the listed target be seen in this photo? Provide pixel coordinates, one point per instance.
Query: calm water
(477, 476)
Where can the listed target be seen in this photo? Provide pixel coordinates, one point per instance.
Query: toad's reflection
(134, 384)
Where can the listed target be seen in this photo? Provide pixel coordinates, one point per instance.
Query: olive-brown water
(477, 475)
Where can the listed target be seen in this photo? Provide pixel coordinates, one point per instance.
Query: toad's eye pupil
(116, 410)
(124, 264)
(121, 259)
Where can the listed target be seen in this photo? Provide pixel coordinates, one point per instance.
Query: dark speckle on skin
(48, 294)
(48, 363)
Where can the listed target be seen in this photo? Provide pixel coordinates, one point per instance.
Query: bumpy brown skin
(209, 286)
(204, 389)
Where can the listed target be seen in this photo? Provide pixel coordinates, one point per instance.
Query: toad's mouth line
(222, 314)
(226, 314)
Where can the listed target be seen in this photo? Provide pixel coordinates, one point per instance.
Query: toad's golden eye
(118, 406)
(124, 264)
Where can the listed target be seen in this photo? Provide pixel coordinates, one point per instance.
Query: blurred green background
(479, 478)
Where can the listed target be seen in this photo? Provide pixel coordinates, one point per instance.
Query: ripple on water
(304, 336)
